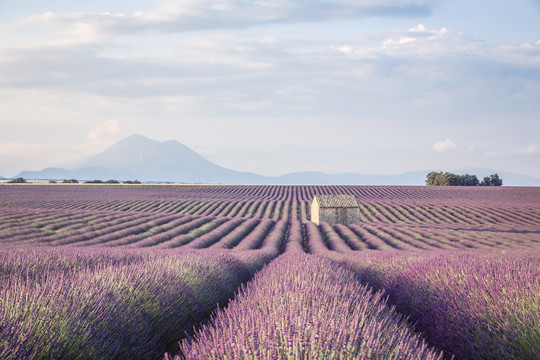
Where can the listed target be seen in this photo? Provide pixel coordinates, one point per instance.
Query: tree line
(448, 179)
(21, 180)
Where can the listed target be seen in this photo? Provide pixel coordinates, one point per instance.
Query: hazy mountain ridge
(140, 158)
(137, 157)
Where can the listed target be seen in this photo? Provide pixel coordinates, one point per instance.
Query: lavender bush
(66, 303)
(306, 307)
(476, 305)
(233, 238)
(255, 238)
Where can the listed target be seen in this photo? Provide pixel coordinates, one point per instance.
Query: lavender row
(164, 232)
(306, 307)
(409, 205)
(148, 229)
(234, 237)
(369, 212)
(475, 305)
(97, 303)
(341, 238)
(113, 195)
(295, 237)
(255, 239)
(215, 235)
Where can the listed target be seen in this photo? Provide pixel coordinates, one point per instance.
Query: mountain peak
(142, 158)
(137, 138)
(138, 151)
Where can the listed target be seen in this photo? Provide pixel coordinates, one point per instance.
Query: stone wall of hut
(345, 216)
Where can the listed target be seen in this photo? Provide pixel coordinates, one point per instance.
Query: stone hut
(335, 209)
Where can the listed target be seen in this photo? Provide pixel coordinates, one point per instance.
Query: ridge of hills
(147, 160)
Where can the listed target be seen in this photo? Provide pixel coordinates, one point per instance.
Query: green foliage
(112, 181)
(492, 180)
(441, 179)
(131, 182)
(52, 182)
(18, 180)
(448, 179)
(70, 181)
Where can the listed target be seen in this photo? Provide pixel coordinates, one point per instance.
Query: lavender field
(225, 271)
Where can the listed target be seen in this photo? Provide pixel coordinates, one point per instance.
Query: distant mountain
(140, 158)
(144, 159)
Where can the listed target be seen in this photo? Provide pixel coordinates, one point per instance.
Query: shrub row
(66, 303)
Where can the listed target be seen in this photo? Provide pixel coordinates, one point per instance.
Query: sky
(272, 87)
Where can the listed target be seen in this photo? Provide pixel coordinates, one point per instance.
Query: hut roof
(336, 201)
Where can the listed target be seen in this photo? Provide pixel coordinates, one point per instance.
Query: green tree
(492, 180)
(495, 180)
(468, 180)
(451, 179)
(18, 180)
(445, 179)
(431, 178)
(448, 179)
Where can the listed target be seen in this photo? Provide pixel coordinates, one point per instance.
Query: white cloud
(415, 33)
(104, 130)
(421, 28)
(188, 15)
(531, 149)
(399, 41)
(445, 145)
(420, 40)
(56, 29)
(418, 45)
(241, 13)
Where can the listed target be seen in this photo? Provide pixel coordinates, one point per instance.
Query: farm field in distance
(126, 271)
